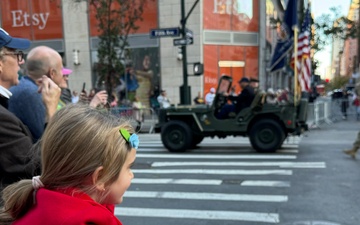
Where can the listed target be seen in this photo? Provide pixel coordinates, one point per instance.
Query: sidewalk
(339, 133)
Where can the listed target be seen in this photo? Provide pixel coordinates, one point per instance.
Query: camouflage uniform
(356, 144)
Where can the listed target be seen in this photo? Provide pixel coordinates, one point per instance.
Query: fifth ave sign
(165, 32)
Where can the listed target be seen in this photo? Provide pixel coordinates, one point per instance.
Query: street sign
(183, 41)
(165, 32)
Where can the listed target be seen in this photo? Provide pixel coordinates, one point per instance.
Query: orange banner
(32, 19)
(149, 18)
(231, 15)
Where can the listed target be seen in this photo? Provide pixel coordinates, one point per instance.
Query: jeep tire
(176, 136)
(266, 136)
(196, 139)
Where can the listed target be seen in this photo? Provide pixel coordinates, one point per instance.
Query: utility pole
(184, 89)
(185, 93)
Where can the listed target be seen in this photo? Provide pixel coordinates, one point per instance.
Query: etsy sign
(32, 19)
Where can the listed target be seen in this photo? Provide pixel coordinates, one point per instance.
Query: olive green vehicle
(266, 125)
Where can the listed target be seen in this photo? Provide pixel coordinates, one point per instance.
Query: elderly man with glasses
(17, 155)
(26, 103)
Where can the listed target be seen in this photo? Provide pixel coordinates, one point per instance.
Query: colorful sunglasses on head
(132, 139)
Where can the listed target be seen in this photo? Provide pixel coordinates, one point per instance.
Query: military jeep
(266, 125)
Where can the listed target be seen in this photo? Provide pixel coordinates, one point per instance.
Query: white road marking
(265, 183)
(260, 183)
(279, 164)
(208, 171)
(206, 196)
(176, 181)
(199, 214)
(207, 156)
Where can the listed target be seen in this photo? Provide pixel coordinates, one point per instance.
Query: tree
(337, 82)
(116, 21)
(329, 27)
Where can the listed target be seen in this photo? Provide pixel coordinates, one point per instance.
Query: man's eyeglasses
(20, 55)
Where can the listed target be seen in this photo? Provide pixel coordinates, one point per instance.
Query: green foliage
(116, 20)
(337, 82)
(333, 26)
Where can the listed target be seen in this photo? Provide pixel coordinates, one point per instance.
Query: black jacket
(18, 158)
(244, 99)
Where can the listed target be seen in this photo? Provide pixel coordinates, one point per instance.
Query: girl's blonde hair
(76, 142)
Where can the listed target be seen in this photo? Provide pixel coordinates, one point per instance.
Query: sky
(319, 7)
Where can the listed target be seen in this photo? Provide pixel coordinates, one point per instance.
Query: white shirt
(163, 101)
(209, 98)
(5, 92)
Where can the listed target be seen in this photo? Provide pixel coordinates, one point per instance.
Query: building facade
(229, 37)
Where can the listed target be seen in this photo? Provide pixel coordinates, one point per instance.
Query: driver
(243, 100)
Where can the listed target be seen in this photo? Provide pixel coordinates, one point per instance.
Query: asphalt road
(309, 181)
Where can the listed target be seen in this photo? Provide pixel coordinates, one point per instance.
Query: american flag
(304, 62)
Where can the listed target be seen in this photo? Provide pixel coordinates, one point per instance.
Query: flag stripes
(303, 64)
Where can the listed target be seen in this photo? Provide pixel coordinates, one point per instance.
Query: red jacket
(55, 208)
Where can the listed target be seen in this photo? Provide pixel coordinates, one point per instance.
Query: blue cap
(11, 42)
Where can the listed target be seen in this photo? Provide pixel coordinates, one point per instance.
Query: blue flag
(285, 39)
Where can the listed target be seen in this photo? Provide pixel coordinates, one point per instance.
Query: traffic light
(198, 68)
(327, 80)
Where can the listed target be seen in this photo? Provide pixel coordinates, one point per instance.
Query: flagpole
(295, 64)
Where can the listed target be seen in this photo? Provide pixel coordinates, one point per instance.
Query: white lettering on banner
(210, 80)
(241, 8)
(20, 19)
(225, 7)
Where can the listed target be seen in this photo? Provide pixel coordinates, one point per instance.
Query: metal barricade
(327, 110)
(149, 117)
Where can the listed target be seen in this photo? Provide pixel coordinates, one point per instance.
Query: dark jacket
(27, 105)
(244, 99)
(18, 158)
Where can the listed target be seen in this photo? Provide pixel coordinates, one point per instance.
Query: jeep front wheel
(266, 136)
(176, 136)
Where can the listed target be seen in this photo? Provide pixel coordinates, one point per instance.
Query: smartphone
(83, 89)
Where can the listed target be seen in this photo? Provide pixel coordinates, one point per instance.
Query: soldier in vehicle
(254, 83)
(243, 100)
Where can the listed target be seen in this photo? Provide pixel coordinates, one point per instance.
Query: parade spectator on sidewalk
(18, 157)
(75, 97)
(138, 113)
(86, 159)
(209, 97)
(163, 100)
(66, 96)
(344, 103)
(131, 81)
(26, 103)
(199, 100)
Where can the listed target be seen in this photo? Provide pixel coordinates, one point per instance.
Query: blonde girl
(86, 168)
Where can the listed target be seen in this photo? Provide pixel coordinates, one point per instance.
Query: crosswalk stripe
(176, 181)
(206, 196)
(208, 156)
(199, 214)
(279, 164)
(208, 171)
(260, 183)
(220, 150)
(265, 183)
